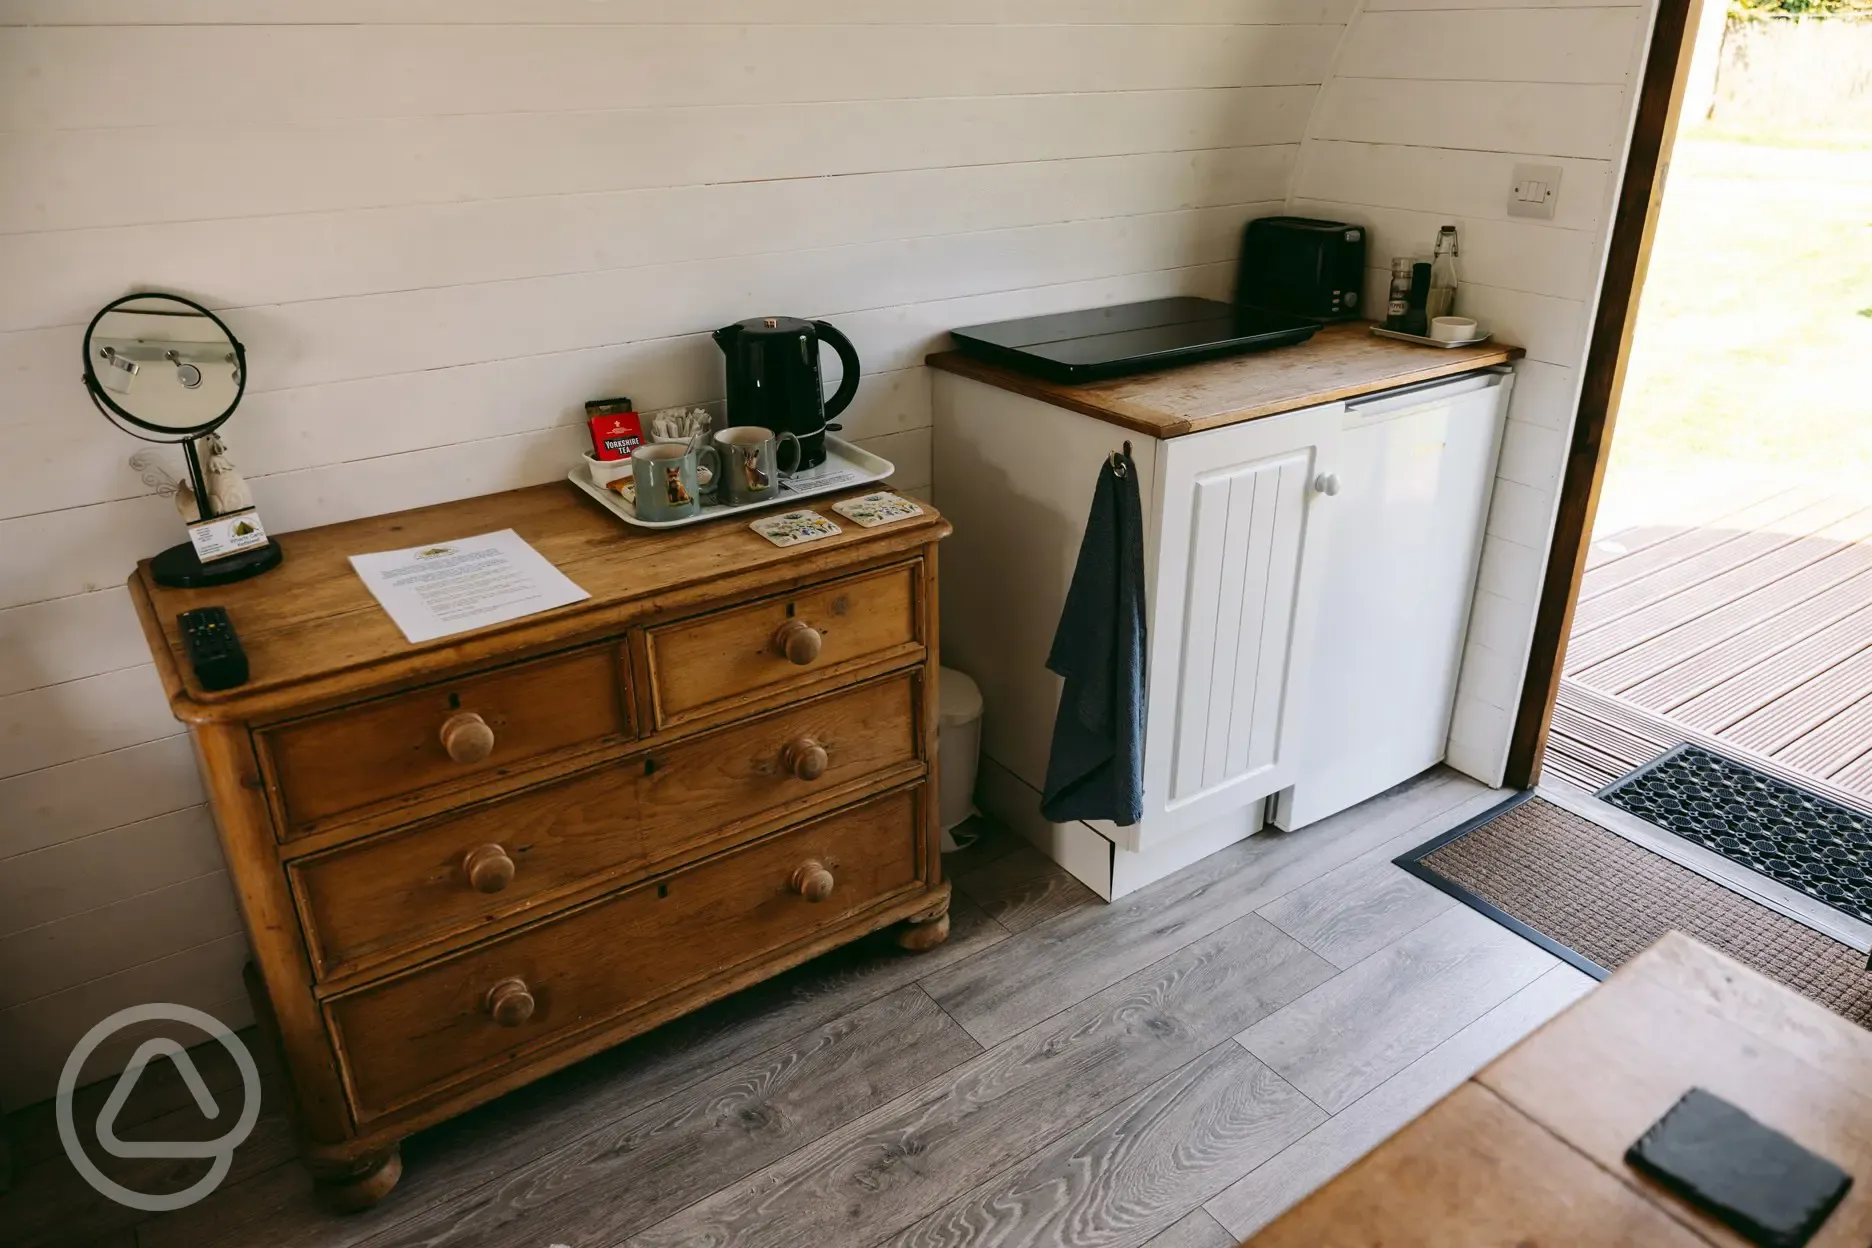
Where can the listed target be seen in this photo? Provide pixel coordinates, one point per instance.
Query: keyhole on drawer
(650, 766)
(789, 610)
(454, 701)
(662, 890)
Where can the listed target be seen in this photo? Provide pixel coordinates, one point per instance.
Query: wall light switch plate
(1535, 191)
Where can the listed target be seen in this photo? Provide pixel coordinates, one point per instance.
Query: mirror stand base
(180, 568)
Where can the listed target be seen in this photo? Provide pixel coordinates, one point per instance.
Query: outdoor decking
(1750, 632)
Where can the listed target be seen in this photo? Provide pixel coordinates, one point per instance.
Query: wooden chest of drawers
(467, 863)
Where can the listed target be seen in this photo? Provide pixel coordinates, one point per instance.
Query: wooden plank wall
(439, 231)
(1430, 106)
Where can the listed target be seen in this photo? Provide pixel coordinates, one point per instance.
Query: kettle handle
(848, 357)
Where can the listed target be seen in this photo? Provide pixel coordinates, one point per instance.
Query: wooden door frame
(1634, 223)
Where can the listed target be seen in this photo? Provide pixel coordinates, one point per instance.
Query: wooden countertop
(311, 620)
(1340, 362)
(1531, 1150)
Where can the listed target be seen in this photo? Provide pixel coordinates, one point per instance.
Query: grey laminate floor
(1173, 1069)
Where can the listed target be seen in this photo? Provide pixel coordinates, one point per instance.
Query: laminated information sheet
(455, 587)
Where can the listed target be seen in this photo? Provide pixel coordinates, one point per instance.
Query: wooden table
(1530, 1151)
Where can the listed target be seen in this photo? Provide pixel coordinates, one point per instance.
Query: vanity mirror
(165, 369)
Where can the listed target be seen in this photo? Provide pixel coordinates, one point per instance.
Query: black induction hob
(1130, 338)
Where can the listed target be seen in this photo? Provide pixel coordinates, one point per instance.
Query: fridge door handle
(1388, 401)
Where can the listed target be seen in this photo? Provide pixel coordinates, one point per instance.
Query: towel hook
(1118, 465)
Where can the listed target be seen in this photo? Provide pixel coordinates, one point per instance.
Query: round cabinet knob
(798, 641)
(812, 881)
(467, 737)
(1327, 483)
(804, 759)
(509, 1003)
(488, 868)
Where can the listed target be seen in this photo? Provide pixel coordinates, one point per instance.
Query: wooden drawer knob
(509, 1002)
(798, 641)
(812, 881)
(804, 758)
(488, 868)
(467, 737)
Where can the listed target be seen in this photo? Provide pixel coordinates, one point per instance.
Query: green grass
(1753, 352)
(1840, 140)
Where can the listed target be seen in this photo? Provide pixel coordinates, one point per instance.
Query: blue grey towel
(1096, 767)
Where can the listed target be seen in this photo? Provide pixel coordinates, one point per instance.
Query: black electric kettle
(773, 378)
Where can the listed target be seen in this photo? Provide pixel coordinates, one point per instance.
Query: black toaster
(1303, 267)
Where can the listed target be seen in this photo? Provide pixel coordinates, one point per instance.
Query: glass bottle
(1397, 309)
(1442, 301)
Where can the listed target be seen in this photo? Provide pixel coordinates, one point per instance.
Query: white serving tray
(846, 466)
(1379, 331)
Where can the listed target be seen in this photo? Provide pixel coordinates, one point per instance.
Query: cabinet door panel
(1234, 589)
(1243, 568)
(1242, 587)
(1282, 529)
(1208, 539)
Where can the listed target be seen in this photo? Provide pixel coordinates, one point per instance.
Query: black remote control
(213, 649)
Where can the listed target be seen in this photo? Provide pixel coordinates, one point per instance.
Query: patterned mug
(750, 463)
(666, 479)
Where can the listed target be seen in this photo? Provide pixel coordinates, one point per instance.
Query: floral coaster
(871, 510)
(790, 528)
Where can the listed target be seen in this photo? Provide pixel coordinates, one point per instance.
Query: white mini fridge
(1417, 472)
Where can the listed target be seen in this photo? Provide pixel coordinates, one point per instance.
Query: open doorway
(1697, 711)
(1726, 596)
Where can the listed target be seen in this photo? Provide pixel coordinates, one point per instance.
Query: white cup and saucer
(1456, 330)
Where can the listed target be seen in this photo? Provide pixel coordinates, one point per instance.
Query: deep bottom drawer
(403, 1039)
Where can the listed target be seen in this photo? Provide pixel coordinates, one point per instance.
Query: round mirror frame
(180, 566)
(142, 428)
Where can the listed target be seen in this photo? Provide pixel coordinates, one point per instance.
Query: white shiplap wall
(1429, 107)
(439, 231)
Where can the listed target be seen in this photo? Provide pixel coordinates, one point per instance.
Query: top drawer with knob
(700, 666)
(329, 769)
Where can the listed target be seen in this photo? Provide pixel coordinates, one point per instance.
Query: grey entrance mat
(1596, 899)
(1793, 837)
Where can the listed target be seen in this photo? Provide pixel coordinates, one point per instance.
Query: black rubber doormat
(1795, 838)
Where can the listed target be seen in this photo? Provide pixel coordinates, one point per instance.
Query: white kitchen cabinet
(1234, 559)
(1313, 521)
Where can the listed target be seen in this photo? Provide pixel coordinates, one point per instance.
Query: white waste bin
(958, 748)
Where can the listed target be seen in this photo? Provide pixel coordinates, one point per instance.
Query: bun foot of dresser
(927, 928)
(356, 1186)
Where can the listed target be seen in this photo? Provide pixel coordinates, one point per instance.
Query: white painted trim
(1133, 870)
(1310, 137)
(1011, 801)
(1106, 869)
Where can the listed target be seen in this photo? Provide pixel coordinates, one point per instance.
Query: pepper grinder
(1417, 319)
